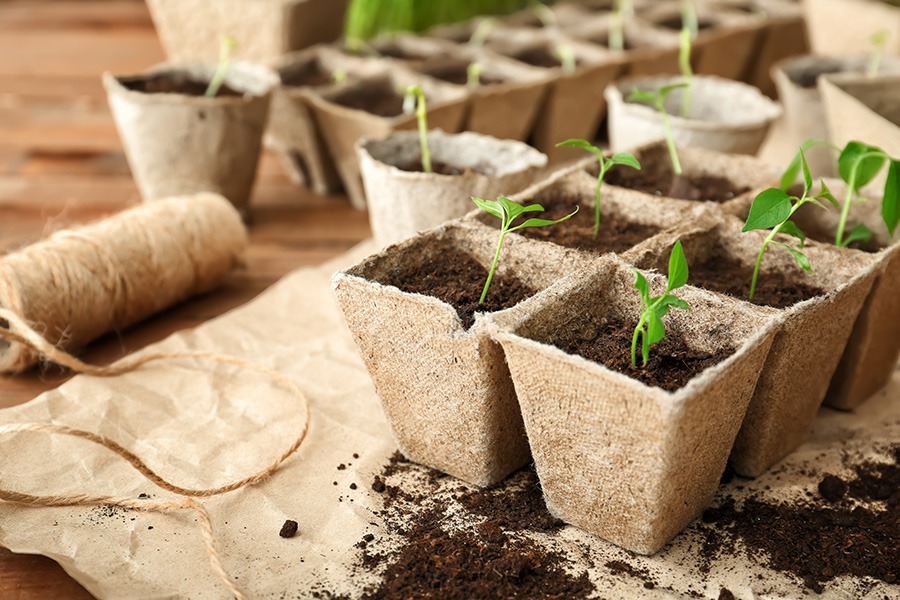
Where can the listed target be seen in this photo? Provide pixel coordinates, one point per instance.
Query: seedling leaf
(583, 144)
(868, 167)
(790, 228)
(656, 330)
(769, 208)
(642, 286)
(678, 268)
(807, 176)
(544, 222)
(801, 258)
(623, 158)
(859, 233)
(826, 193)
(488, 207)
(890, 205)
(675, 303)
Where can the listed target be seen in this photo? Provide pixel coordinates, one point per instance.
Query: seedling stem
(684, 62)
(416, 97)
(226, 45)
(473, 75)
(657, 98)
(879, 41)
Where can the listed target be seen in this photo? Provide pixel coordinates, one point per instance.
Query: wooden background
(61, 163)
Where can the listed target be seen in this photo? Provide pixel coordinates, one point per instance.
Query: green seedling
(684, 63)
(482, 32)
(657, 99)
(879, 42)
(623, 11)
(566, 57)
(339, 76)
(858, 164)
(414, 99)
(622, 158)
(544, 13)
(506, 210)
(773, 209)
(226, 45)
(689, 18)
(473, 75)
(650, 328)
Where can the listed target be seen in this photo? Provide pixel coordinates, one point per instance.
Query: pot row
(630, 462)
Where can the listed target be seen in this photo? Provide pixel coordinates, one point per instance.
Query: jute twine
(81, 283)
(18, 331)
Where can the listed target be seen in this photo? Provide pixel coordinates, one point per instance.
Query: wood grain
(61, 163)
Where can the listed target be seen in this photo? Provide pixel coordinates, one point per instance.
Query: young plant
(622, 158)
(858, 164)
(684, 64)
(879, 41)
(622, 12)
(773, 209)
(657, 99)
(473, 75)
(339, 76)
(689, 18)
(226, 45)
(506, 210)
(566, 57)
(482, 32)
(544, 13)
(415, 100)
(650, 328)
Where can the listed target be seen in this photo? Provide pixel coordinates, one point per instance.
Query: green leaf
(826, 193)
(665, 90)
(807, 176)
(790, 174)
(544, 222)
(583, 144)
(801, 258)
(489, 206)
(866, 170)
(656, 330)
(890, 205)
(769, 208)
(650, 97)
(859, 233)
(790, 228)
(678, 267)
(643, 287)
(623, 158)
(675, 302)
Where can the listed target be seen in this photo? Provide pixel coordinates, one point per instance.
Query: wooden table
(61, 163)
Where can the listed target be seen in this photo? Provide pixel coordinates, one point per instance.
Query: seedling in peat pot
(506, 210)
(566, 57)
(339, 76)
(684, 63)
(879, 41)
(650, 328)
(415, 100)
(622, 158)
(473, 75)
(622, 12)
(773, 209)
(482, 32)
(657, 99)
(689, 19)
(858, 164)
(227, 44)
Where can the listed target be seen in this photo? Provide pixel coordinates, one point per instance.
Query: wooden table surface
(61, 163)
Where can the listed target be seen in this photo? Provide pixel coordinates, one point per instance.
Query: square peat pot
(629, 461)
(443, 382)
(627, 217)
(817, 311)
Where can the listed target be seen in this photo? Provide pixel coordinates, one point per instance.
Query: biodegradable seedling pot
(190, 30)
(344, 117)
(811, 336)
(629, 462)
(573, 107)
(726, 116)
(444, 385)
(403, 200)
(782, 36)
(804, 110)
(292, 132)
(723, 179)
(411, 50)
(179, 142)
(508, 98)
(845, 27)
(870, 358)
(648, 51)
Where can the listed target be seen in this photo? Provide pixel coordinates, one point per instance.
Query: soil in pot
(617, 233)
(457, 278)
(442, 168)
(167, 83)
(458, 75)
(730, 277)
(540, 56)
(402, 53)
(675, 23)
(382, 100)
(657, 179)
(607, 341)
(603, 40)
(309, 74)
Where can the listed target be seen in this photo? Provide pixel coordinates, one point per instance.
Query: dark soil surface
(540, 56)
(732, 278)
(676, 23)
(809, 77)
(608, 341)
(442, 168)
(379, 100)
(309, 74)
(617, 233)
(458, 74)
(659, 181)
(458, 279)
(603, 40)
(167, 84)
(821, 234)
(402, 53)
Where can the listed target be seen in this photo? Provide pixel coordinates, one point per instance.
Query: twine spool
(81, 283)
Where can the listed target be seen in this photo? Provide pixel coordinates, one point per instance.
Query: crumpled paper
(203, 425)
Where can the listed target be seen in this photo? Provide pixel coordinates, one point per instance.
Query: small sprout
(506, 210)
(415, 100)
(622, 158)
(339, 76)
(650, 328)
(622, 12)
(858, 164)
(773, 209)
(482, 32)
(689, 18)
(657, 99)
(684, 63)
(879, 41)
(544, 13)
(226, 45)
(473, 75)
(566, 57)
